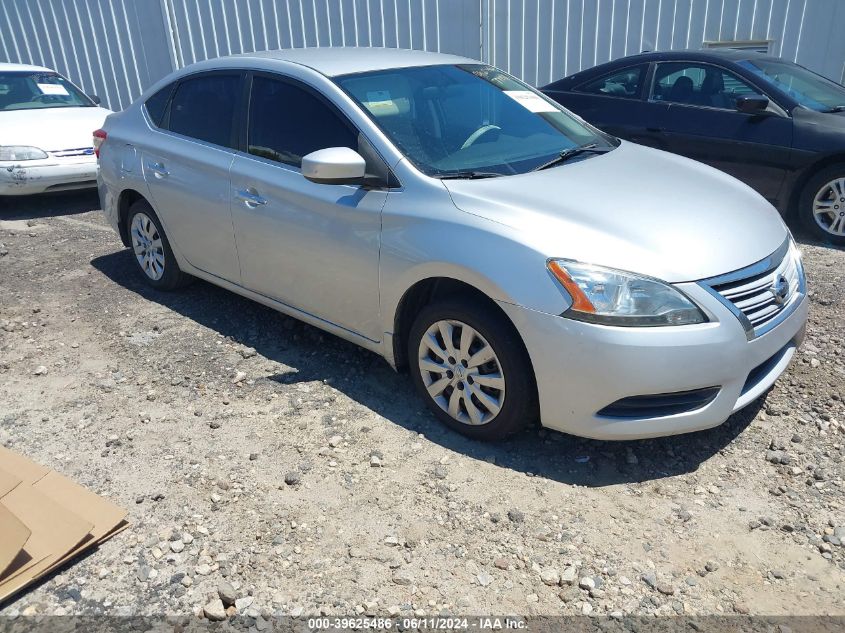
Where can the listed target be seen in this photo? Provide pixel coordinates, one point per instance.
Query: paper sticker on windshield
(53, 89)
(379, 103)
(531, 101)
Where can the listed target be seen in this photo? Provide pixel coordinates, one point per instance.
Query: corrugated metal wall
(116, 48)
(544, 40)
(111, 48)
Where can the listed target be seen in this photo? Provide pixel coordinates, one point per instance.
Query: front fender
(467, 248)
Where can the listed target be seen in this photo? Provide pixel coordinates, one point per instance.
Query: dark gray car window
(204, 108)
(286, 122)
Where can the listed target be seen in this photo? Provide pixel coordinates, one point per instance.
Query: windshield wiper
(468, 175)
(839, 108)
(566, 154)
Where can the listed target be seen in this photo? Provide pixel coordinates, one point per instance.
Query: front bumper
(40, 176)
(582, 368)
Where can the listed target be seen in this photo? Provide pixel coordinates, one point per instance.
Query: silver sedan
(518, 262)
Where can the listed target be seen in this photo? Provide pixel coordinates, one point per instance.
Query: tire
(151, 250)
(826, 187)
(488, 412)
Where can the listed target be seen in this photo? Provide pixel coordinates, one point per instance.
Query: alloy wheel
(829, 207)
(148, 247)
(461, 372)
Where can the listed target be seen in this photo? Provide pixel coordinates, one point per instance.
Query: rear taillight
(100, 137)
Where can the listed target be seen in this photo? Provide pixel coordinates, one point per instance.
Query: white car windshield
(469, 119)
(28, 90)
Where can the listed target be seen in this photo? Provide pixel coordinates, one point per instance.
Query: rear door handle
(158, 169)
(654, 129)
(250, 197)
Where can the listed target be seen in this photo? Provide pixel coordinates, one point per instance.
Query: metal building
(116, 48)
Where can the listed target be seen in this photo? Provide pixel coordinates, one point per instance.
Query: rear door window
(157, 104)
(204, 108)
(625, 83)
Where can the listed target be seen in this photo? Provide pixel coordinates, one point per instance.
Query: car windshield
(468, 120)
(807, 88)
(34, 90)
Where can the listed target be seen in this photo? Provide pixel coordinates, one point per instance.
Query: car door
(615, 102)
(186, 167)
(703, 123)
(314, 247)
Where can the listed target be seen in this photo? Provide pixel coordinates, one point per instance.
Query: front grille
(761, 295)
(660, 405)
(79, 151)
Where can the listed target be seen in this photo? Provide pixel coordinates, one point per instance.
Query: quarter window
(698, 84)
(204, 108)
(286, 122)
(621, 83)
(157, 104)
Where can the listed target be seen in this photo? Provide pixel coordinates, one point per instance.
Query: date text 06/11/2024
(483, 623)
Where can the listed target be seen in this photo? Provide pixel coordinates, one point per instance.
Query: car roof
(343, 60)
(7, 67)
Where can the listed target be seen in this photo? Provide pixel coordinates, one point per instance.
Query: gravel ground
(275, 468)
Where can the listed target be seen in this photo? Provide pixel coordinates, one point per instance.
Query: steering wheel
(484, 129)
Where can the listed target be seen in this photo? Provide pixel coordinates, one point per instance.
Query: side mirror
(95, 99)
(752, 104)
(334, 166)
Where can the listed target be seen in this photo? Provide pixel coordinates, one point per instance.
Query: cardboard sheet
(45, 520)
(13, 537)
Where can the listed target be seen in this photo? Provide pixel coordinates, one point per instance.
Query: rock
(253, 457)
(248, 352)
(403, 577)
(335, 441)
(292, 478)
(215, 611)
(587, 583)
(41, 370)
(711, 565)
(241, 604)
(501, 563)
(550, 576)
(375, 461)
(203, 570)
(568, 576)
(227, 593)
(516, 515)
(484, 579)
(779, 574)
(177, 546)
(665, 588)
(239, 377)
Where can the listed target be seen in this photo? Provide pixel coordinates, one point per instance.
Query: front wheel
(470, 367)
(822, 205)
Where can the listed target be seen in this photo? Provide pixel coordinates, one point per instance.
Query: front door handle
(158, 169)
(250, 197)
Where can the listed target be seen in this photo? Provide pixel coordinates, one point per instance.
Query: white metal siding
(544, 40)
(116, 48)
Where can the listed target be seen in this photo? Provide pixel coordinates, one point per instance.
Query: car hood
(634, 208)
(51, 129)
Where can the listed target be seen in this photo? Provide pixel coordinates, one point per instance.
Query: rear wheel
(151, 250)
(470, 367)
(822, 205)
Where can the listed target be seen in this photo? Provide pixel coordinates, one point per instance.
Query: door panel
(189, 186)
(186, 167)
(754, 149)
(311, 246)
(314, 247)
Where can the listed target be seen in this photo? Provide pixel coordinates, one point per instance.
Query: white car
(45, 132)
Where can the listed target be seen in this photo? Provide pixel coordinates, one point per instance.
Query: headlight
(21, 152)
(614, 297)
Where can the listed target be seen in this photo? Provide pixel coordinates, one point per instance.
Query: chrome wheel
(148, 247)
(829, 207)
(461, 372)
